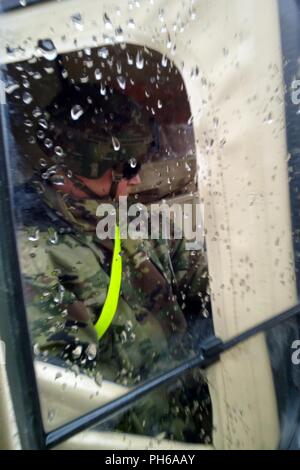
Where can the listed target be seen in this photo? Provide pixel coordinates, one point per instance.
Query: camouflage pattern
(163, 301)
(107, 133)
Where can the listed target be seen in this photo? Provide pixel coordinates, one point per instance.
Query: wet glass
(75, 117)
(130, 87)
(174, 416)
(265, 407)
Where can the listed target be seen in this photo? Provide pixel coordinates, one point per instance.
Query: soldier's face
(100, 187)
(125, 185)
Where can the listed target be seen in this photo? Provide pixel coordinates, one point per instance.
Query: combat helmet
(86, 133)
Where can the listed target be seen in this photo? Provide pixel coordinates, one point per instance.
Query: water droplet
(26, 83)
(40, 134)
(122, 82)
(91, 351)
(132, 162)
(23, 3)
(58, 151)
(98, 379)
(28, 123)
(192, 14)
(84, 79)
(45, 175)
(98, 74)
(205, 313)
(75, 369)
(36, 112)
(159, 104)
(50, 415)
(47, 49)
(129, 59)
(53, 237)
(37, 75)
(128, 325)
(36, 349)
(34, 234)
(57, 180)
(103, 52)
(43, 123)
(69, 174)
(31, 140)
(107, 22)
(215, 122)
(116, 144)
(139, 61)
(77, 21)
(119, 67)
(48, 143)
(119, 34)
(43, 163)
(76, 353)
(159, 437)
(33, 60)
(11, 87)
(131, 23)
(27, 98)
(102, 89)
(64, 73)
(88, 63)
(76, 112)
(161, 15)
(164, 61)
(123, 337)
(49, 70)
(268, 119)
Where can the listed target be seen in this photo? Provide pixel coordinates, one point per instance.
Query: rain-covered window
(152, 157)
(109, 222)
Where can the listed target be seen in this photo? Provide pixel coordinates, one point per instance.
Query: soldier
(127, 321)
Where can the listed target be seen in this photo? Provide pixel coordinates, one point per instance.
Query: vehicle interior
(213, 75)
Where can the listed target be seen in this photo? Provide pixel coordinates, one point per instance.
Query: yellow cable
(111, 302)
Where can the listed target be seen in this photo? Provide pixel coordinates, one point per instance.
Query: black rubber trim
(13, 322)
(9, 5)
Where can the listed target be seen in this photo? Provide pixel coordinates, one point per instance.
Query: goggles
(128, 170)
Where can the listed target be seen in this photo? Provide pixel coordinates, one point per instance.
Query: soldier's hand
(78, 312)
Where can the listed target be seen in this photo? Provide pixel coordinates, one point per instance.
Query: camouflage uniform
(67, 268)
(66, 271)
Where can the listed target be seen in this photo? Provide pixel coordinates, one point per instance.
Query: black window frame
(9, 5)
(13, 320)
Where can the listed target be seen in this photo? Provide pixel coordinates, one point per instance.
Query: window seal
(9, 5)
(14, 329)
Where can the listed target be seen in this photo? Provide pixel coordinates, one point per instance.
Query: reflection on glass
(284, 350)
(118, 293)
(176, 414)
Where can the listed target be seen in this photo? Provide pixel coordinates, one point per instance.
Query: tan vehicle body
(248, 217)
